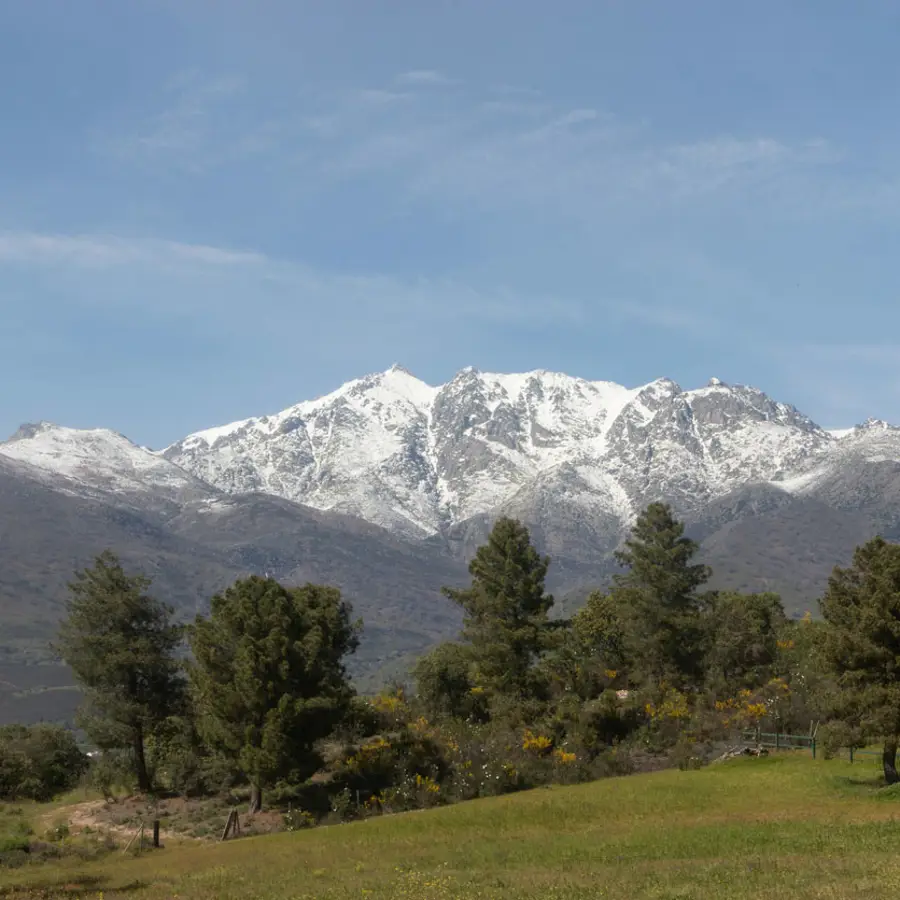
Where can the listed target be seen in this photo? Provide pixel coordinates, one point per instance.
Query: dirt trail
(97, 816)
(123, 819)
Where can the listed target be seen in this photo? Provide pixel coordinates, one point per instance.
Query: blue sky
(210, 210)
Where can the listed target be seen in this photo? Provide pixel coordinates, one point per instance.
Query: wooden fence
(781, 741)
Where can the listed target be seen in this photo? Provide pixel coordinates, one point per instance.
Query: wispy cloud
(505, 152)
(425, 77)
(195, 272)
(500, 148)
(203, 123)
(251, 273)
(103, 251)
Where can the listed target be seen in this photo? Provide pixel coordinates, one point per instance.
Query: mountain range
(386, 486)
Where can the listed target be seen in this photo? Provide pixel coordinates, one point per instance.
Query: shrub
(38, 762)
(296, 819)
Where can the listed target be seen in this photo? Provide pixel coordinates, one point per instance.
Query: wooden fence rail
(781, 741)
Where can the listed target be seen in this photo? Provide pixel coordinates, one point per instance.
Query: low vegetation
(782, 826)
(252, 705)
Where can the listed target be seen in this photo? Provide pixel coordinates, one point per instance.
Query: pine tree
(742, 647)
(505, 611)
(657, 600)
(597, 628)
(860, 644)
(121, 644)
(268, 678)
(444, 683)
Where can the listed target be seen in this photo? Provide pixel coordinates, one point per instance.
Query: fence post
(814, 747)
(777, 739)
(851, 756)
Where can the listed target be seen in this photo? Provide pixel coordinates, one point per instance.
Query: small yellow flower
(536, 743)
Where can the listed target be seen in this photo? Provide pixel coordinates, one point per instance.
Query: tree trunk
(255, 799)
(140, 762)
(889, 761)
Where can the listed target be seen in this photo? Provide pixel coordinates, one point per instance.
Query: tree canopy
(657, 599)
(505, 609)
(268, 676)
(121, 644)
(743, 632)
(861, 646)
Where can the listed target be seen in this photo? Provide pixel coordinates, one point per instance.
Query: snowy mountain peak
(28, 430)
(99, 459)
(418, 458)
(871, 423)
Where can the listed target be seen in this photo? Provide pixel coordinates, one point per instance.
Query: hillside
(50, 528)
(386, 487)
(782, 826)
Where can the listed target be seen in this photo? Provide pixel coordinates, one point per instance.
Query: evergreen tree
(444, 683)
(505, 611)
(861, 646)
(742, 647)
(587, 649)
(598, 628)
(657, 600)
(268, 678)
(121, 644)
(38, 762)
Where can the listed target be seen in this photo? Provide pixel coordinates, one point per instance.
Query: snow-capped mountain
(419, 459)
(97, 461)
(775, 500)
(415, 458)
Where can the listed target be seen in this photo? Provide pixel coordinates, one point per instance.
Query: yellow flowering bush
(392, 707)
(367, 753)
(538, 744)
(750, 708)
(673, 705)
(427, 784)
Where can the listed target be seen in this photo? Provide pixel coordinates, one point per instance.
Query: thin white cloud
(196, 127)
(103, 251)
(500, 150)
(379, 97)
(425, 77)
(195, 272)
(475, 152)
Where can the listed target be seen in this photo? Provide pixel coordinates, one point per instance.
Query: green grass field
(779, 827)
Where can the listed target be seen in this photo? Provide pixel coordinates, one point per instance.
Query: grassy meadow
(785, 826)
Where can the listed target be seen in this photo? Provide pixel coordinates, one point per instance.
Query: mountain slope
(420, 459)
(98, 463)
(52, 524)
(386, 486)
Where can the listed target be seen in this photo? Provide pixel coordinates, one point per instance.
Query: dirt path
(95, 815)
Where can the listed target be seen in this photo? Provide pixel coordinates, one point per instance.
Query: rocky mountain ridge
(419, 459)
(386, 486)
